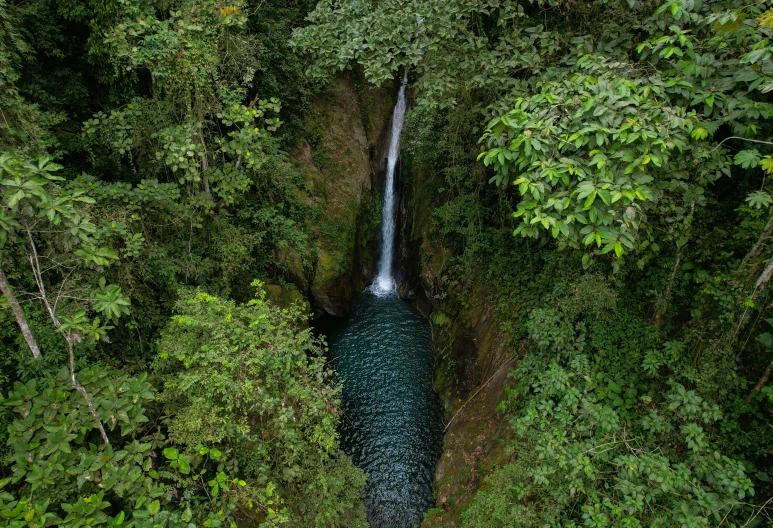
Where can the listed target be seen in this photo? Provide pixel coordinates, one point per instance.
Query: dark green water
(392, 426)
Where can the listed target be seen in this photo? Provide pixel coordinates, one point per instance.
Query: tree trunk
(17, 311)
(758, 245)
(70, 337)
(763, 380)
(767, 273)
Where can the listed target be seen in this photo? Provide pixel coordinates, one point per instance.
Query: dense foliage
(599, 169)
(143, 187)
(626, 145)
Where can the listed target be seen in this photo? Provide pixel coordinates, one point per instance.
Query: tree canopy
(592, 175)
(143, 186)
(626, 146)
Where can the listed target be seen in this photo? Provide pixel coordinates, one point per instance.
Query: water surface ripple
(392, 426)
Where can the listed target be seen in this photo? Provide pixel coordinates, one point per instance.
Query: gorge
(541, 262)
(382, 353)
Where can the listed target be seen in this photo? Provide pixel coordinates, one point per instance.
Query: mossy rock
(335, 161)
(283, 296)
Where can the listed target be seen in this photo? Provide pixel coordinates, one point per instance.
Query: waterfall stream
(385, 282)
(391, 423)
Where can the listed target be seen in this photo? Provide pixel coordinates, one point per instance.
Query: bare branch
(742, 139)
(61, 287)
(70, 338)
(35, 264)
(763, 507)
(19, 313)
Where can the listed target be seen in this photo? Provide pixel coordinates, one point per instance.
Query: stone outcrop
(473, 355)
(340, 161)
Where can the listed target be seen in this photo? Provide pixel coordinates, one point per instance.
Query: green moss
(369, 220)
(336, 163)
(335, 248)
(439, 318)
(283, 296)
(322, 157)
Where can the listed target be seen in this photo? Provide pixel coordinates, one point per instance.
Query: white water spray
(385, 282)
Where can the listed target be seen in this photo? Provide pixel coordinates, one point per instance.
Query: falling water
(385, 283)
(382, 353)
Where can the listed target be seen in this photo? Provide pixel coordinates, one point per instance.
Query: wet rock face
(472, 362)
(339, 161)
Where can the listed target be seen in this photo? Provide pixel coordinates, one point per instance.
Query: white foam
(385, 283)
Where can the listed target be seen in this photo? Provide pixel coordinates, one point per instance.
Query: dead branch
(71, 338)
(35, 264)
(21, 320)
(759, 510)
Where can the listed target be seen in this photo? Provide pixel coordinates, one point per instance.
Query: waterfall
(392, 427)
(385, 282)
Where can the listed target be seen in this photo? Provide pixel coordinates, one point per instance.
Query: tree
(61, 478)
(263, 394)
(187, 186)
(612, 131)
(605, 145)
(33, 205)
(453, 48)
(195, 122)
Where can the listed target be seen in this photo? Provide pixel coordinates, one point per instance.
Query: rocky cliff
(340, 160)
(473, 354)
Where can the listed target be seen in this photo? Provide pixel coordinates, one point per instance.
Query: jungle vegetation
(145, 185)
(601, 164)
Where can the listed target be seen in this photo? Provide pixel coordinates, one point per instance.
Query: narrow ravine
(382, 353)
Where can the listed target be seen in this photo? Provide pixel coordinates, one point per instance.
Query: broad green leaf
(185, 467)
(154, 507)
(759, 199)
(747, 158)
